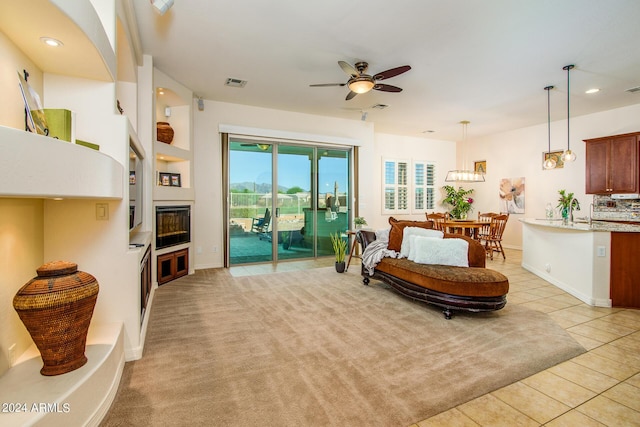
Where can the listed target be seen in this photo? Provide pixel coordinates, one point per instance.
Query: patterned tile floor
(598, 388)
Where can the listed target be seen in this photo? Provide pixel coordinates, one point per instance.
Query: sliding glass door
(250, 203)
(285, 200)
(295, 175)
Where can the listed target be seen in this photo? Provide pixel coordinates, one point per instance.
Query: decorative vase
(463, 216)
(56, 308)
(565, 215)
(340, 266)
(164, 132)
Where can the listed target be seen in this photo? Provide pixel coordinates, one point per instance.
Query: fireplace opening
(173, 225)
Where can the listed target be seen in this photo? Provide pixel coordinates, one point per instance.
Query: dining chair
(484, 217)
(438, 219)
(493, 240)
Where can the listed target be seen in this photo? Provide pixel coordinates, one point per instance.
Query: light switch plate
(102, 211)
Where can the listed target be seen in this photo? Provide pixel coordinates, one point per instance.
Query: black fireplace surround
(173, 225)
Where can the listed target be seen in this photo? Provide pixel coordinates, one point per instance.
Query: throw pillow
(406, 246)
(397, 229)
(431, 250)
(383, 235)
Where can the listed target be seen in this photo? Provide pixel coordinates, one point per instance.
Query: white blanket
(374, 252)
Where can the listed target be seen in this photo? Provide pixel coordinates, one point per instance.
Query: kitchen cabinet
(625, 276)
(612, 164)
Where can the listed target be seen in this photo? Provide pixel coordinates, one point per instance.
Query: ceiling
(483, 61)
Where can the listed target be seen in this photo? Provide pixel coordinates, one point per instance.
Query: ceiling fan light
(361, 85)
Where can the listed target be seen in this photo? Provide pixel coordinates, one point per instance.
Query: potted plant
(359, 222)
(340, 250)
(459, 200)
(567, 204)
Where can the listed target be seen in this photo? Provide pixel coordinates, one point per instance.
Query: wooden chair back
(438, 219)
(485, 217)
(497, 226)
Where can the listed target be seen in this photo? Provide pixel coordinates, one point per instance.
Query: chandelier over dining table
(464, 174)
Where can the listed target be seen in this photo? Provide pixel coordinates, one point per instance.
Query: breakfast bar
(584, 259)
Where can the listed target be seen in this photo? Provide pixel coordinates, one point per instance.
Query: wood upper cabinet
(612, 164)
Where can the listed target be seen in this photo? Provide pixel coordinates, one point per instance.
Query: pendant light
(549, 162)
(464, 175)
(568, 156)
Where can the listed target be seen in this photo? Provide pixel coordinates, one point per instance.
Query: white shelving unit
(173, 158)
(96, 68)
(176, 157)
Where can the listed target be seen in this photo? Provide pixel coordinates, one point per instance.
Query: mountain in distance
(252, 187)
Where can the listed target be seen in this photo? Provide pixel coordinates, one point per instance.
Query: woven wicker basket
(56, 308)
(165, 132)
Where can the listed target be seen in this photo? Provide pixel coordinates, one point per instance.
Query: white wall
(209, 225)
(442, 153)
(510, 154)
(519, 153)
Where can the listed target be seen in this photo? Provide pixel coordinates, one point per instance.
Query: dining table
(469, 227)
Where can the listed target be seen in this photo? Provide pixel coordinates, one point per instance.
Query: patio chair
(493, 241)
(261, 225)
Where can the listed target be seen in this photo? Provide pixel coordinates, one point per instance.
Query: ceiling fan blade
(328, 84)
(351, 95)
(392, 72)
(387, 88)
(348, 69)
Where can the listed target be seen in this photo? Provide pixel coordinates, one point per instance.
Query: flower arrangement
(459, 201)
(566, 201)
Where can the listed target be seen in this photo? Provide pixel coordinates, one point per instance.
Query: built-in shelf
(171, 153)
(79, 397)
(92, 56)
(39, 166)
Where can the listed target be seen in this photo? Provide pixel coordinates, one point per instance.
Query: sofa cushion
(397, 231)
(407, 242)
(430, 250)
(460, 281)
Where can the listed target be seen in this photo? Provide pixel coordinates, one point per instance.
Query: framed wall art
(480, 166)
(511, 194)
(175, 180)
(164, 179)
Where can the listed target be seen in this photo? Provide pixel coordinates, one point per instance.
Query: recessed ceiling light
(594, 90)
(49, 41)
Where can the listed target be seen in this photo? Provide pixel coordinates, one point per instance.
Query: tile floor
(598, 388)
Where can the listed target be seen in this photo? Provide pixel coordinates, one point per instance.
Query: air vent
(235, 82)
(380, 106)
(633, 89)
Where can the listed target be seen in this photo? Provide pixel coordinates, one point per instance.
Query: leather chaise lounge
(474, 288)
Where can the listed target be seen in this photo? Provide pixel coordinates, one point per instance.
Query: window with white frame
(395, 186)
(424, 182)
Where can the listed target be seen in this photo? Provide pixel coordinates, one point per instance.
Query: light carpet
(318, 348)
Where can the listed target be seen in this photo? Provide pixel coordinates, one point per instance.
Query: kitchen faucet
(571, 208)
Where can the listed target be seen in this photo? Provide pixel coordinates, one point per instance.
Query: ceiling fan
(359, 82)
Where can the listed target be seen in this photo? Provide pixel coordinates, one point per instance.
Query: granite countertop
(583, 225)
